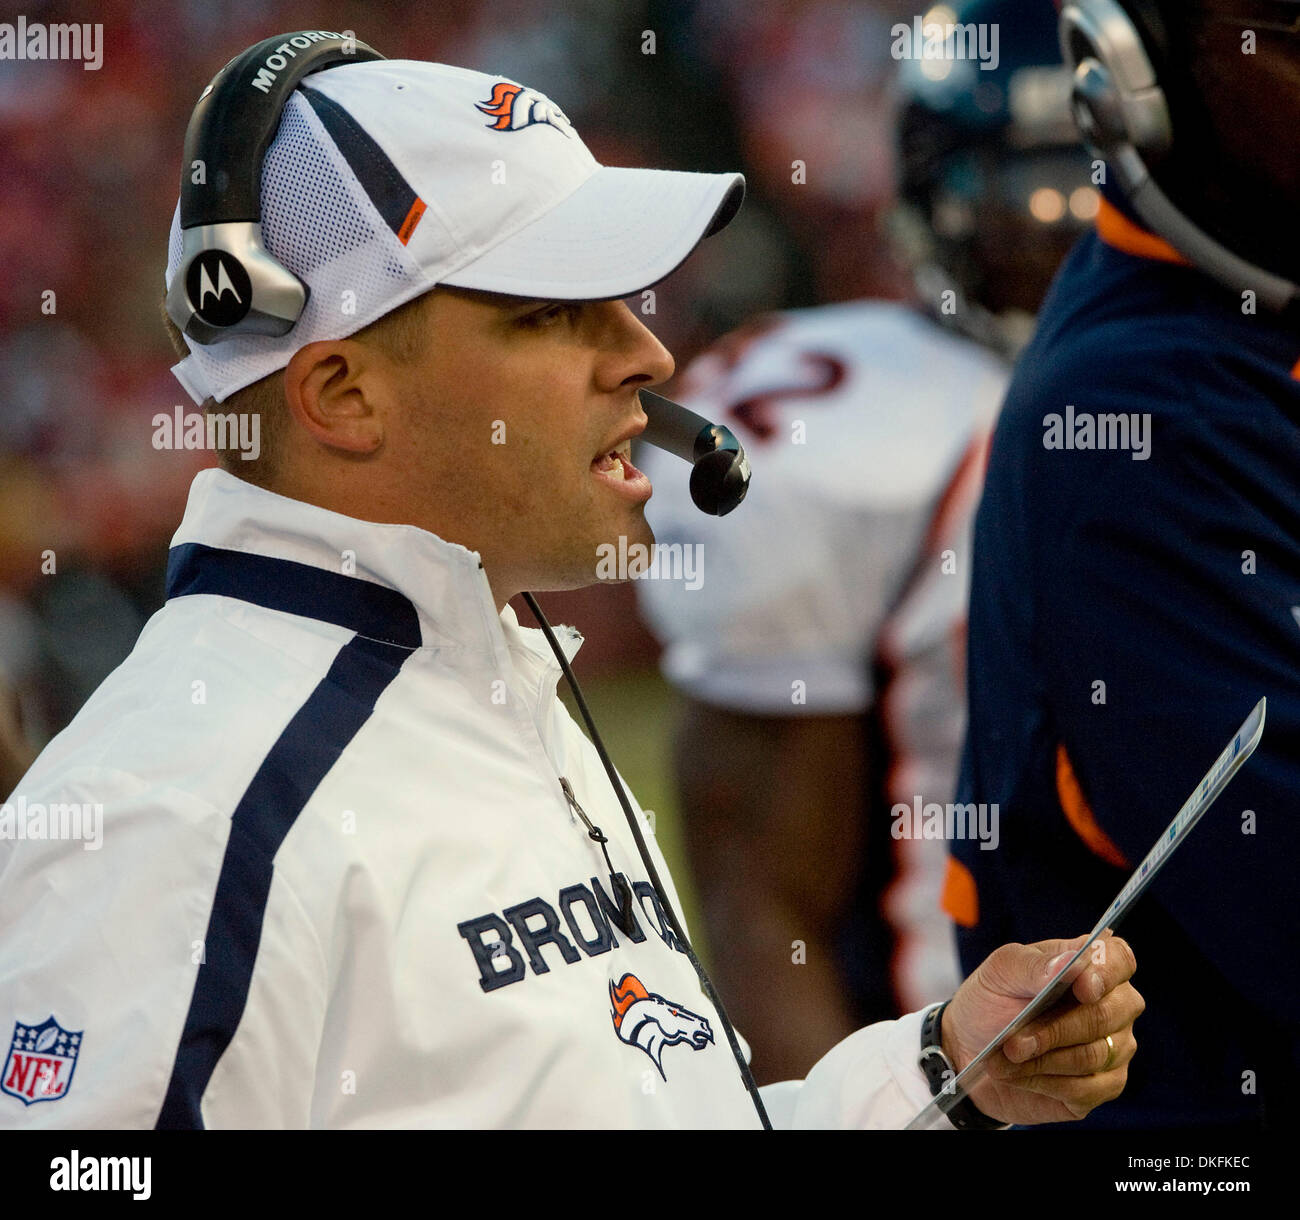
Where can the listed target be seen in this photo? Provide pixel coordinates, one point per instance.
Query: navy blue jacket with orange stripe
(1126, 614)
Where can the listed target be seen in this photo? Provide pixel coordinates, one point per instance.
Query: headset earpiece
(1116, 97)
(1123, 116)
(227, 284)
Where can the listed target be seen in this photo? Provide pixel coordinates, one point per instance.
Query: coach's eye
(550, 315)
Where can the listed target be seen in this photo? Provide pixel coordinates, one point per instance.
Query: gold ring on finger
(1110, 1054)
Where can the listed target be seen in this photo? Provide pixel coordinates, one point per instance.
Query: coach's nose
(629, 353)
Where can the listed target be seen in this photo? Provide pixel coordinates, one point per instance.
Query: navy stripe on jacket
(312, 742)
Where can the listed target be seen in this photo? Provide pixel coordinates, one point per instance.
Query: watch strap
(940, 1074)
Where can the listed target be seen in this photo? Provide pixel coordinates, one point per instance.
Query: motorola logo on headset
(218, 287)
(228, 284)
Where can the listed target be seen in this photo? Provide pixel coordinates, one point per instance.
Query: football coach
(357, 866)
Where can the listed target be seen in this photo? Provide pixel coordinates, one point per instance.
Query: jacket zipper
(621, 886)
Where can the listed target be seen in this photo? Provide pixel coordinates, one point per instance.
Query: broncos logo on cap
(644, 1019)
(512, 108)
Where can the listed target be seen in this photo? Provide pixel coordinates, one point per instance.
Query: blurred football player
(820, 645)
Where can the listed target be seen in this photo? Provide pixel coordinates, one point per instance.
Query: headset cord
(673, 921)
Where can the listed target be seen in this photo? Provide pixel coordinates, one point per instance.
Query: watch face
(219, 289)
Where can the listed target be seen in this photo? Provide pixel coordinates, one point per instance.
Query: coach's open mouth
(616, 469)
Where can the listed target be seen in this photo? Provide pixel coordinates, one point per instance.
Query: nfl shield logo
(41, 1061)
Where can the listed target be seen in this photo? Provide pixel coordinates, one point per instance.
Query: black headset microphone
(719, 467)
(232, 126)
(1123, 116)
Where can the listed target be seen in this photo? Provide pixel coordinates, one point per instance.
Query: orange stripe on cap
(412, 219)
(960, 898)
(1079, 813)
(1117, 230)
(1295, 371)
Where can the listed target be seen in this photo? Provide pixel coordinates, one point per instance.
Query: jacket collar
(1121, 232)
(395, 583)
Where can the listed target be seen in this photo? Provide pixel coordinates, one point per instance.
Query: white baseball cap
(389, 177)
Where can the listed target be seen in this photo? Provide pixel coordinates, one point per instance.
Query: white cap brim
(620, 232)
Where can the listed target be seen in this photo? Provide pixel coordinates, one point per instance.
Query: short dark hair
(399, 334)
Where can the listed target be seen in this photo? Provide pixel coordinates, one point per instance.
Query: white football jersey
(840, 584)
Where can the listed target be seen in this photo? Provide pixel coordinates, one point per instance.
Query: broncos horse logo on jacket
(512, 107)
(644, 1019)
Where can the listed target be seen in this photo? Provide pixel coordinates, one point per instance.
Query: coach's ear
(334, 389)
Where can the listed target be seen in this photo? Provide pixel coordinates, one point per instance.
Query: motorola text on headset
(232, 126)
(1123, 116)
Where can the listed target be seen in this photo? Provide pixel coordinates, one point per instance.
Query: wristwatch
(939, 1071)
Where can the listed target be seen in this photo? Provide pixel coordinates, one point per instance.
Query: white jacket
(339, 883)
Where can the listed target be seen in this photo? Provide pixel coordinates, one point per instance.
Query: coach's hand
(1060, 1066)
